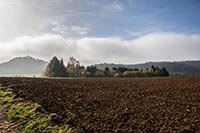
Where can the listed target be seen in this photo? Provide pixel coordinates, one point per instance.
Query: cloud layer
(66, 17)
(90, 50)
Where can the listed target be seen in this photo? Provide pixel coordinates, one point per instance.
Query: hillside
(30, 66)
(22, 66)
(174, 68)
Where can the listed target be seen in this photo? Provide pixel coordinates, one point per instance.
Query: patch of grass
(29, 116)
(6, 97)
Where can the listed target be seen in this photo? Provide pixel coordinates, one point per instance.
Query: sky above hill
(94, 31)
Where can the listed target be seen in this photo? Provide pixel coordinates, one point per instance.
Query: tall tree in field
(107, 72)
(74, 69)
(92, 70)
(164, 72)
(55, 68)
(62, 69)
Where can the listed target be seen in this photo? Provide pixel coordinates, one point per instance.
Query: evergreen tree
(164, 72)
(107, 72)
(55, 68)
(92, 69)
(122, 69)
(114, 68)
(62, 69)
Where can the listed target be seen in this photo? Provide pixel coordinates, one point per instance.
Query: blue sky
(118, 31)
(142, 16)
(120, 17)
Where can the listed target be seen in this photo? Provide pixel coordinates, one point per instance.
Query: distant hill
(22, 66)
(174, 68)
(29, 66)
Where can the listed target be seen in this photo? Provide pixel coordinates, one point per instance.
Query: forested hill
(174, 68)
(23, 66)
(30, 66)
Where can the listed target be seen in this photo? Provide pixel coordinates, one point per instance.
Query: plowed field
(169, 104)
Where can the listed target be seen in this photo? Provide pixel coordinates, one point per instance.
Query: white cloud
(72, 31)
(34, 17)
(61, 29)
(80, 30)
(113, 7)
(89, 50)
(39, 46)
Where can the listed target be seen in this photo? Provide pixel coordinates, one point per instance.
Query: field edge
(29, 116)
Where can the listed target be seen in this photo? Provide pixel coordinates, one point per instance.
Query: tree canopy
(56, 68)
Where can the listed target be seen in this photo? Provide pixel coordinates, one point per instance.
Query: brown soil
(5, 125)
(169, 104)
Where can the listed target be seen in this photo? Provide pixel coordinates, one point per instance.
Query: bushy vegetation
(56, 68)
(30, 117)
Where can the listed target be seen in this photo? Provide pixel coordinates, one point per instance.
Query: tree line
(56, 68)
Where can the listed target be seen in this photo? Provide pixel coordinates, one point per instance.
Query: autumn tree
(56, 68)
(74, 69)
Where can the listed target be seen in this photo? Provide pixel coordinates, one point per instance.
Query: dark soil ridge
(169, 104)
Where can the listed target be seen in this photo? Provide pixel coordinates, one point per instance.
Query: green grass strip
(29, 116)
